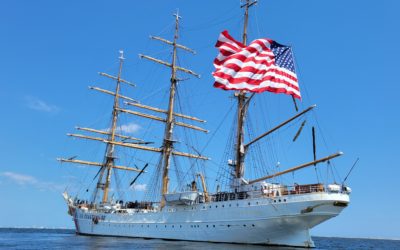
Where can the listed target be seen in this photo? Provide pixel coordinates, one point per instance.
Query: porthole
(216, 206)
(249, 203)
(279, 200)
(213, 225)
(284, 200)
(223, 205)
(252, 225)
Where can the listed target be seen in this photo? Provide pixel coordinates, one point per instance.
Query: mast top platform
(121, 55)
(176, 14)
(249, 3)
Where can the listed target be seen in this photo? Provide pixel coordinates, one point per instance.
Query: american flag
(263, 65)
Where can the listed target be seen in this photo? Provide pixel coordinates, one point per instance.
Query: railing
(302, 189)
(272, 191)
(269, 191)
(118, 205)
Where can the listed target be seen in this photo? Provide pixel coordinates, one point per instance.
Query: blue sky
(50, 51)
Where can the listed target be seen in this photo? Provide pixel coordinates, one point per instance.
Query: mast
(242, 106)
(113, 139)
(169, 126)
(110, 158)
(168, 141)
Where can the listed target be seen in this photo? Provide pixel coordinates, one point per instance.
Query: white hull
(283, 220)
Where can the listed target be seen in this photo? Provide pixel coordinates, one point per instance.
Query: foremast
(110, 156)
(106, 167)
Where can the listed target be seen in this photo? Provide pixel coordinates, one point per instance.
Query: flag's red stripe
(236, 66)
(239, 80)
(242, 56)
(228, 37)
(244, 59)
(226, 53)
(252, 53)
(220, 46)
(250, 69)
(259, 90)
(232, 79)
(249, 48)
(258, 41)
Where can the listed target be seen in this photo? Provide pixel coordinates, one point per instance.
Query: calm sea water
(11, 238)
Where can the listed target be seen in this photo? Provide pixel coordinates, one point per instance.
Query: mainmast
(168, 141)
(242, 107)
(169, 126)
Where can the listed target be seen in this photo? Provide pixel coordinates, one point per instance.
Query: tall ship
(247, 206)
